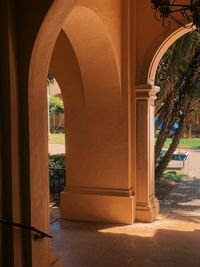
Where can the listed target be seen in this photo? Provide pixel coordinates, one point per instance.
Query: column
(147, 205)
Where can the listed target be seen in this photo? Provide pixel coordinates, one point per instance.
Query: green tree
(56, 107)
(178, 77)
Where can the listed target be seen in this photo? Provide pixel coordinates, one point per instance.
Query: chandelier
(164, 10)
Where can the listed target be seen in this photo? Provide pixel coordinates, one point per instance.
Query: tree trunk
(166, 126)
(61, 120)
(177, 108)
(166, 159)
(175, 140)
(54, 123)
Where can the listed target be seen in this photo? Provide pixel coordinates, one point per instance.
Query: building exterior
(103, 55)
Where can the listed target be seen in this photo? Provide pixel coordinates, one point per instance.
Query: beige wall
(110, 55)
(96, 129)
(94, 125)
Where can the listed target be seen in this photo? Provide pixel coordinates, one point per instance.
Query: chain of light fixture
(164, 10)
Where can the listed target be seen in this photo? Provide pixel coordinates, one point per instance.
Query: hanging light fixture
(164, 10)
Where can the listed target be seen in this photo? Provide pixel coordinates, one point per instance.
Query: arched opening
(145, 104)
(162, 49)
(83, 61)
(56, 146)
(55, 107)
(178, 112)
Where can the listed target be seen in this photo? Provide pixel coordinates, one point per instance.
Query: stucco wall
(94, 117)
(132, 35)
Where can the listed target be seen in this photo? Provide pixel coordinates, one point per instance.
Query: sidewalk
(192, 164)
(56, 149)
(183, 203)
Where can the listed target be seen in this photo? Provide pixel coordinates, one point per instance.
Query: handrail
(39, 234)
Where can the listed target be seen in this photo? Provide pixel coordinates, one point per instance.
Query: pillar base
(147, 212)
(116, 206)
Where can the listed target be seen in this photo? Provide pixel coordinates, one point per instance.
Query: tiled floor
(173, 240)
(54, 213)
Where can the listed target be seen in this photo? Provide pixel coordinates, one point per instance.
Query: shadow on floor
(83, 244)
(183, 202)
(173, 240)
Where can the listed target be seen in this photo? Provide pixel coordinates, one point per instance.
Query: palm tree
(178, 77)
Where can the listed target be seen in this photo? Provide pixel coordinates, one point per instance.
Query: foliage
(178, 76)
(175, 61)
(57, 161)
(173, 176)
(56, 105)
(56, 175)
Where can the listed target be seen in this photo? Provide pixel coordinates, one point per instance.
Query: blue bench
(180, 156)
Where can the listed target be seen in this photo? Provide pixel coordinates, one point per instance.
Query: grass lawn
(185, 143)
(57, 139)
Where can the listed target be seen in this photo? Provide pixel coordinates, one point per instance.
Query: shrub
(57, 161)
(173, 176)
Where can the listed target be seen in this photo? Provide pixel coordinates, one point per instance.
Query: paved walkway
(192, 164)
(56, 149)
(173, 240)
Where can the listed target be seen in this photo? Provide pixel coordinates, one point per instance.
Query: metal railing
(57, 183)
(38, 234)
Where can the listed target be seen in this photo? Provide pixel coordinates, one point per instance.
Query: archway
(145, 97)
(187, 53)
(39, 67)
(93, 103)
(56, 145)
(98, 112)
(162, 49)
